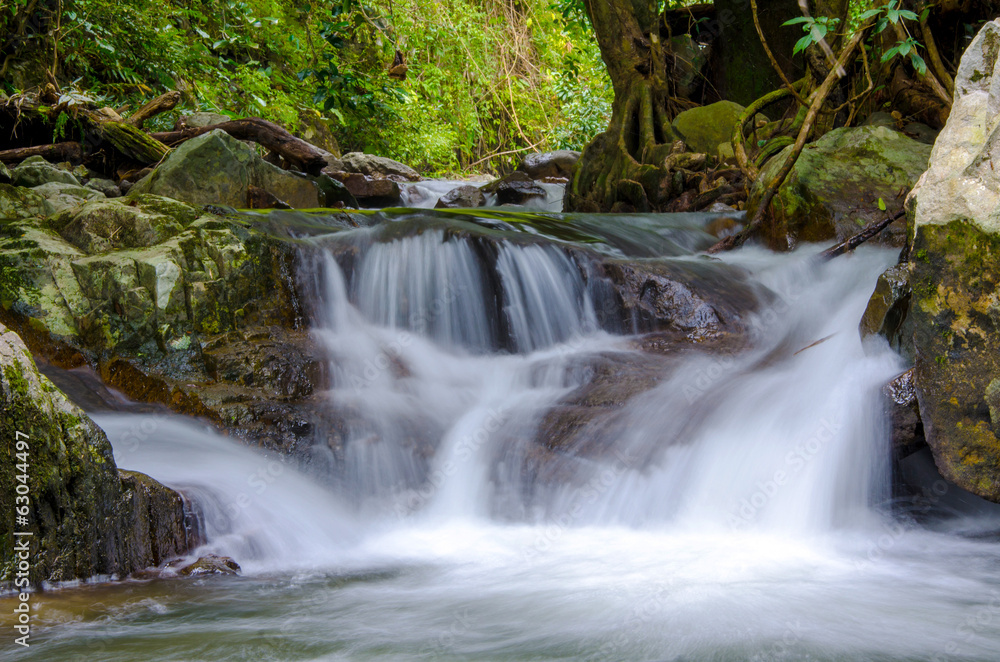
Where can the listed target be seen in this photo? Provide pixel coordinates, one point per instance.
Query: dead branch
(869, 231)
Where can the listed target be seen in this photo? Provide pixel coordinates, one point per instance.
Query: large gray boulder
(466, 196)
(84, 516)
(955, 278)
(217, 169)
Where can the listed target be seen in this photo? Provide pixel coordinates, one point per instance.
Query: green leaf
(904, 47)
(868, 14)
(881, 204)
(800, 19)
(918, 63)
(889, 54)
(908, 15)
(802, 44)
(201, 33)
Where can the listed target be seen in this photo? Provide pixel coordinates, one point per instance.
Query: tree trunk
(741, 70)
(621, 169)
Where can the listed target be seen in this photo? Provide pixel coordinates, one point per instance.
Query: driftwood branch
(300, 154)
(869, 231)
(160, 104)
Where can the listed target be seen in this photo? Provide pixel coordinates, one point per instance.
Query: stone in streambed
(556, 165)
(467, 196)
(515, 189)
(35, 171)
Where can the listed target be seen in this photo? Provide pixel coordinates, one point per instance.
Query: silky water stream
(737, 510)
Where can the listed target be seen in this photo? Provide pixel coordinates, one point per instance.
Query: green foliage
(487, 79)
(816, 30)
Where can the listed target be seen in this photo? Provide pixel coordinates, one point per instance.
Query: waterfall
(700, 504)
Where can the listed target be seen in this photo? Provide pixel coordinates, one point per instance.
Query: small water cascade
(732, 509)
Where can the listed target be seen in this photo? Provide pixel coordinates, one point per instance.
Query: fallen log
(53, 153)
(297, 152)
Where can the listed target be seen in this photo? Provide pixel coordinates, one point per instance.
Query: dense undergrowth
(486, 80)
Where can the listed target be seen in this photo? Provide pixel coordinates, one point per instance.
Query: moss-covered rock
(35, 171)
(85, 520)
(217, 169)
(172, 305)
(17, 202)
(955, 278)
(956, 316)
(705, 127)
(834, 188)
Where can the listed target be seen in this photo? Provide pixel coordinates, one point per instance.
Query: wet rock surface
(86, 517)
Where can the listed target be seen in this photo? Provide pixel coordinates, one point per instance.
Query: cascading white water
(733, 517)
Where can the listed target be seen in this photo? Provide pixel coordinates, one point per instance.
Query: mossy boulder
(955, 278)
(705, 127)
(217, 169)
(35, 171)
(17, 202)
(85, 517)
(835, 186)
(171, 304)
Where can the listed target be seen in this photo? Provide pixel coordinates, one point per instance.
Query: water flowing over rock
(217, 169)
(835, 186)
(955, 277)
(85, 517)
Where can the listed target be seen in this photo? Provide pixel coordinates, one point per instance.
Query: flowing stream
(736, 510)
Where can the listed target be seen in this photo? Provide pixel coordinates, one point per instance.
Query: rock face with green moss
(86, 517)
(835, 186)
(168, 302)
(955, 278)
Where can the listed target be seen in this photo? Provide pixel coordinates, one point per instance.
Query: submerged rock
(835, 185)
(86, 518)
(211, 565)
(217, 169)
(955, 277)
